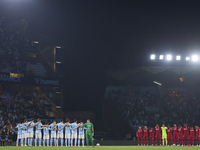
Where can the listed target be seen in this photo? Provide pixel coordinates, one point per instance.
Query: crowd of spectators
(13, 57)
(15, 107)
(180, 106)
(134, 105)
(171, 106)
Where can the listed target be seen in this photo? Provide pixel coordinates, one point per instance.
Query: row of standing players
(180, 134)
(26, 132)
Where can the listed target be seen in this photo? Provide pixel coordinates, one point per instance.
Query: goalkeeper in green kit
(89, 132)
(164, 134)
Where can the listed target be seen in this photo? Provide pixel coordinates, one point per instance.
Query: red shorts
(151, 137)
(158, 136)
(191, 138)
(139, 138)
(176, 136)
(169, 138)
(145, 137)
(180, 137)
(185, 137)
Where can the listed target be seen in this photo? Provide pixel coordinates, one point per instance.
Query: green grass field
(102, 148)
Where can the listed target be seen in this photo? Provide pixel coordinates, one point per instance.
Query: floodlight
(36, 42)
(187, 58)
(58, 47)
(153, 56)
(194, 58)
(58, 62)
(169, 57)
(161, 57)
(178, 57)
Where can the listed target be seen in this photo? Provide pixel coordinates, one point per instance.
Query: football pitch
(102, 148)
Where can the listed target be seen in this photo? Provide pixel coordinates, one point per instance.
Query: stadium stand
(172, 105)
(23, 105)
(14, 51)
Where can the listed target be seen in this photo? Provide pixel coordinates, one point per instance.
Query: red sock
(138, 142)
(168, 142)
(160, 141)
(147, 141)
(141, 142)
(192, 142)
(156, 141)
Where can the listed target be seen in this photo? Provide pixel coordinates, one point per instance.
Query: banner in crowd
(29, 80)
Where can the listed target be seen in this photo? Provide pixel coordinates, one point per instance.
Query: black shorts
(10, 137)
(3, 137)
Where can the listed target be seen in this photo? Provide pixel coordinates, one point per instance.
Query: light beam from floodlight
(157, 83)
(153, 56)
(194, 58)
(187, 58)
(169, 57)
(178, 57)
(161, 57)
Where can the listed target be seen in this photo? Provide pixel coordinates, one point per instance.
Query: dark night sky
(109, 34)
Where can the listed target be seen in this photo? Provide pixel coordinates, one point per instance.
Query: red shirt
(180, 131)
(175, 129)
(197, 132)
(191, 131)
(157, 130)
(169, 132)
(151, 132)
(139, 131)
(185, 129)
(145, 131)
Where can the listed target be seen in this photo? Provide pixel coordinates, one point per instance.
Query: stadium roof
(165, 75)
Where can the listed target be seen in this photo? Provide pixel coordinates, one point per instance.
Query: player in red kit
(191, 136)
(185, 130)
(139, 135)
(157, 128)
(197, 135)
(169, 135)
(175, 129)
(180, 136)
(151, 135)
(145, 131)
